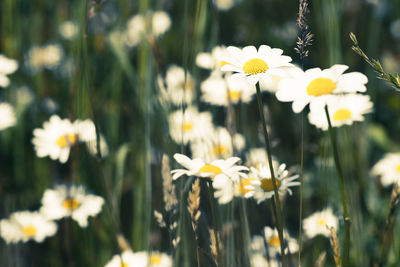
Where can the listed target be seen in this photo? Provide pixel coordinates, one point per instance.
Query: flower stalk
(342, 191)
(277, 202)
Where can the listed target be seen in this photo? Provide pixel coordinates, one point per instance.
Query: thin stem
(276, 194)
(214, 219)
(301, 185)
(342, 191)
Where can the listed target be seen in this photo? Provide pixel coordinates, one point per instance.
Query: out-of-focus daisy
(177, 89)
(259, 260)
(388, 169)
(23, 226)
(190, 126)
(140, 259)
(218, 145)
(161, 23)
(270, 83)
(224, 5)
(87, 133)
(197, 167)
(226, 188)
(256, 156)
(213, 60)
(151, 24)
(48, 56)
(7, 66)
(70, 201)
(316, 83)
(274, 245)
(343, 110)
(317, 223)
(68, 30)
(7, 116)
(55, 139)
(252, 64)
(261, 187)
(218, 90)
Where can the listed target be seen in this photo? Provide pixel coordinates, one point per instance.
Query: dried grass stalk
(305, 38)
(335, 246)
(169, 194)
(216, 247)
(194, 204)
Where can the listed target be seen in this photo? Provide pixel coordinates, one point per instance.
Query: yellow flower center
(234, 95)
(67, 140)
(124, 264)
(398, 168)
(255, 66)
(187, 126)
(208, 168)
(188, 85)
(266, 184)
(321, 222)
(320, 86)
(29, 230)
(155, 259)
(219, 150)
(242, 186)
(70, 204)
(342, 114)
(274, 241)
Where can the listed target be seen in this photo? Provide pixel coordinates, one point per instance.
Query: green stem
(342, 191)
(301, 186)
(276, 194)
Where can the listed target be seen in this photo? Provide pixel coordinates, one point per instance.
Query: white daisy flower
(87, 133)
(190, 126)
(213, 60)
(317, 223)
(23, 226)
(252, 64)
(259, 260)
(68, 30)
(161, 23)
(136, 28)
(197, 167)
(218, 145)
(70, 201)
(7, 66)
(256, 156)
(218, 90)
(48, 56)
(269, 83)
(129, 259)
(177, 90)
(226, 189)
(7, 116)
(261, 188)
(55, 139)
(274, 245)
(140, 259)
(343, 110)
(224, 5)
(316, 83)
(388, 169)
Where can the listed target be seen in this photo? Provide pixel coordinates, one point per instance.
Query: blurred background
(90, 70)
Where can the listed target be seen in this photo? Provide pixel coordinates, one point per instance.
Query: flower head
(343, 110)
(388, 169)
(317, 223)
(190, 126)
(274, 245)
(70, 201)
(261, 186)
(23, 226)
(7, 116)
(7, 66)
(252, 64)
(315, 83)
(214, 60)
(140, 259)
(197, 167)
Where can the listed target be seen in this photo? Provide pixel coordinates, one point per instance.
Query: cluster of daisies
(58, 136)
(64, 201)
